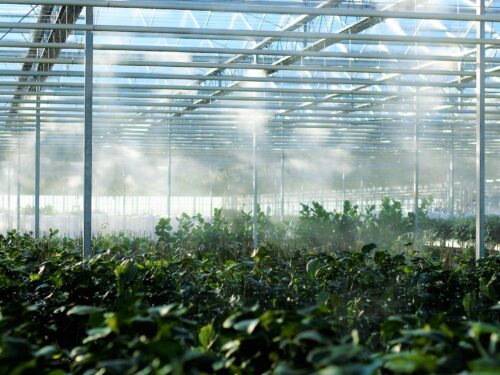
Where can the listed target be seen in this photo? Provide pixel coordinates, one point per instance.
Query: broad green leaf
(126, 271)
(479, 328)
(410, 362)
(495, 307)
(310, 335)
(247, 325)
(469, 302)
(96, 334)
(57, 372)
(313, 267)
(84, 310)
(47, 351)
(207, 336)
(117, 366)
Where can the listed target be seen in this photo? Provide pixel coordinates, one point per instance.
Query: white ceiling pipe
(235, 7)
(297, 90)
(204, 65)
(250, 34)
(298, 80)
(246, 51)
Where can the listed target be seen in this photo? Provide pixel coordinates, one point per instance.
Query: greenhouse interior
(247, 187)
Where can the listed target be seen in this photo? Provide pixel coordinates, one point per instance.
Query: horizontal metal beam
(246, 51)
(300, 90)
(239, 78)
(159, 100)
(316, 113)
(329, 68)
(262, 9)
(233, 34)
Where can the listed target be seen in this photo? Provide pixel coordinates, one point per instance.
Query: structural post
(87, 162)
(362, 195)
(124, 203)
(18, 190)
(210, 181)
(343, 188)
(64, 200)
(374, 194)
(416, 169)
(451, 196)
(254, 190)
(480, 135)
(282, 187)
(37, 165)
(9, 217)
(169, 174)
(451, 192)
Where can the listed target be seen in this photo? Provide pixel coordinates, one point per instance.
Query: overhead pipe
(311, 68)
(296, 90)
(120, 100)
(335, 106)
(299, 80)
(244, 51)
(112, 96)
(369, 115)
(208, 129)
(198, 33)
(204, 124)
(233, 7)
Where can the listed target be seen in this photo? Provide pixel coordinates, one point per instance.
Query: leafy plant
(200, 299)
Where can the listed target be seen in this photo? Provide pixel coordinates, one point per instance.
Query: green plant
(200, 299)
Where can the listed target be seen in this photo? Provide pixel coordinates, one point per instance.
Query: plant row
(201, 300)
(319, 229)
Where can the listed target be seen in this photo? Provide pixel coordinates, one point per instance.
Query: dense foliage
(462, 230)
(311, 299)
(388, 227)
(319, 229)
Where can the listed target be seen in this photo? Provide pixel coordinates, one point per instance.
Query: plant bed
(205, 302)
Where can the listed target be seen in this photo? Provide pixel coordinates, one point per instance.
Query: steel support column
(124, 202)
(37, 165)
(362, 194)
(254, 191)
(169, 174)
(480, 136)
(343, 188)
(451, 187)
(88, 91)
(416, 146)
(210, 181)
(9, 216)
(451, 196)
(18, 190)
(282, 187)
(416, 170)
